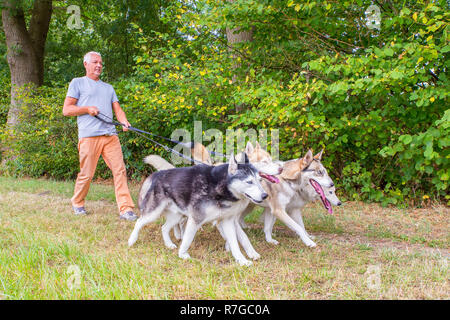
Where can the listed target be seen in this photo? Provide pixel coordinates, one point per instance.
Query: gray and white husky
(202, 193)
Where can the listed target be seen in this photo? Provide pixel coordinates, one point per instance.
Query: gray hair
(87, 56)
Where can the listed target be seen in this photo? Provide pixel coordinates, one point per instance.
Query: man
(87, 97)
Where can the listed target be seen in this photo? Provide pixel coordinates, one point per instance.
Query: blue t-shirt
(93, 93)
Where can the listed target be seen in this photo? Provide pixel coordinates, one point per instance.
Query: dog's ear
(249, 148)
(232, 165)
(200, 153)
(246, 160)
(257, 145)
(242, 158)
(292, 169)
(319, 155)
(206, 158)
(307, 159)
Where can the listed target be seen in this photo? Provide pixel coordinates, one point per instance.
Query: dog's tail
(158, 162)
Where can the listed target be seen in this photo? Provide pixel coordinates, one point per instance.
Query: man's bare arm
(120, 115)
(71, 109)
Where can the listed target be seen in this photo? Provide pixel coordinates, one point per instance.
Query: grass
(43, 246)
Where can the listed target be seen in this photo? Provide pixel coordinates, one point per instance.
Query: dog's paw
(132, 240)
(227, 246)
(272, 241)
(310, 244)
(184, 256)
(245, 262)
(311, 236)
(177, 235)
(254, 255)
(171, 245)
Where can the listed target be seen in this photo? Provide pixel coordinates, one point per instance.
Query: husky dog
(257, 156)
(198, 152)
(203, 194)
(302, 181)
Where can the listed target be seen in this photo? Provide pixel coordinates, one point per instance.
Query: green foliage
(108, 27)
(376, 100)
(47, 141)
(4, 99)
(357, 96)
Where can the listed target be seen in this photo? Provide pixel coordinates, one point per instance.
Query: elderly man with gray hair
(87, 97)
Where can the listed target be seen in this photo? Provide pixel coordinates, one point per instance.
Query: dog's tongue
(272, 179)
(319, 190)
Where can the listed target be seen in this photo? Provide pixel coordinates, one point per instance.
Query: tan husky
(302, 181)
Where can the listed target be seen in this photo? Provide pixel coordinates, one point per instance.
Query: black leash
(155, 135)
(142, 133)
(132, 128)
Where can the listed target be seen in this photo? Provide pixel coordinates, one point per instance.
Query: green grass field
(364, 251)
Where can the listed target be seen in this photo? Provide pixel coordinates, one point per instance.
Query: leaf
(406, 139)
(428, 150)
(389, 52)
(445, 49)
(413, 96)
(396, 75)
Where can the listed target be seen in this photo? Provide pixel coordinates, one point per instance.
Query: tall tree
(26, 46)
(235, 36)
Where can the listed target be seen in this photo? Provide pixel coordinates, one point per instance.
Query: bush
(46, 141)
(380, 111)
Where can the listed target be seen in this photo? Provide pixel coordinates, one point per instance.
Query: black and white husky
(202, 193)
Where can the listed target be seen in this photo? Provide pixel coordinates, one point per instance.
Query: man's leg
(89, 150)
(112, 154)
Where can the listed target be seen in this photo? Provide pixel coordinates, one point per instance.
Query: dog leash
(142, 133)
(155, 135)
(131, 128)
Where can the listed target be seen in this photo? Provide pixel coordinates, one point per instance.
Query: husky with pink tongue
(302, 181)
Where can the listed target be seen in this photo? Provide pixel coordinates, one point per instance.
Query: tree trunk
(38, 29)
(235, 36)
(25, 53)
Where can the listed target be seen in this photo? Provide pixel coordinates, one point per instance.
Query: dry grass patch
(40, 239)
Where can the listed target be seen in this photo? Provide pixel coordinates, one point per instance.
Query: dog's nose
(339, 203)
(264, 196)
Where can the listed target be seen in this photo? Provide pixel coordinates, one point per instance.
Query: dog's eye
(331, 192)
(250, 182)
(319, 172)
